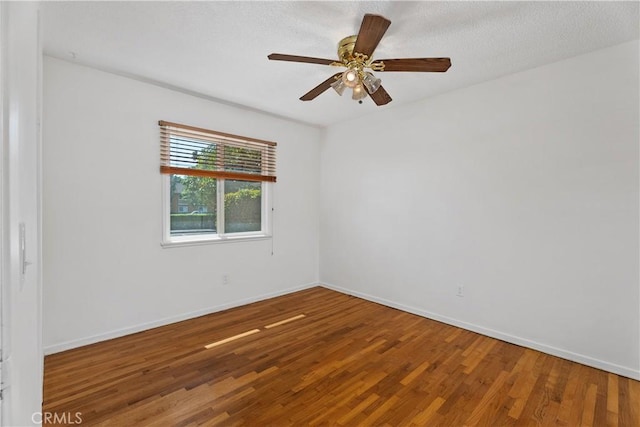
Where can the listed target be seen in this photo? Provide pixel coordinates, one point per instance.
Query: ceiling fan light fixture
(359, 92)
(371, 82)
(355, 53)
(350, 78)
(339, 86)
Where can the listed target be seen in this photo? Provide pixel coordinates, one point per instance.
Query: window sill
(212, 240)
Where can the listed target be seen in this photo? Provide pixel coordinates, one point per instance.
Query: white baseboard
(68, 345)
(554, 351)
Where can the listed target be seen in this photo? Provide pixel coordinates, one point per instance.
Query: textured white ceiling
(219, 49)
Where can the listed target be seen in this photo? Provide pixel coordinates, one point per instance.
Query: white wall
(105, 273)
(22, 356)
(524, 190)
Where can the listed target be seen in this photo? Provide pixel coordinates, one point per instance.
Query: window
(216, 185)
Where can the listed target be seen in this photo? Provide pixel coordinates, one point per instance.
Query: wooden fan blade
(295, 58)
(371, 31)
(320, 88)
(380, 96)
(416, 64)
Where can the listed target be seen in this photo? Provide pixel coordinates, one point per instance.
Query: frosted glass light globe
(358, 92)
(350, 78)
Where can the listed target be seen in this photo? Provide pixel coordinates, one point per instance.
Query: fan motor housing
(345, 48)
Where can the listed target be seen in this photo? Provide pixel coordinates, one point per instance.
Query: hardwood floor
(345, 362)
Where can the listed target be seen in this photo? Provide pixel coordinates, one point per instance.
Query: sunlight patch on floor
(253, 331)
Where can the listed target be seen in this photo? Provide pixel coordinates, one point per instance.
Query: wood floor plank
(346, 361)
(489, 398)
(385, 407)
(588, 411)
(633, 399)
(415, 373)
(423, 417)
(612, 400)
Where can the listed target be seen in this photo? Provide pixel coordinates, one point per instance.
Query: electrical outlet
(225, 279)
(460, 292)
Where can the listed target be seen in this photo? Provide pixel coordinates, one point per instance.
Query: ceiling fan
(355, 53)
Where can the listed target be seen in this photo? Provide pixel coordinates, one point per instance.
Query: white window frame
(200, 239)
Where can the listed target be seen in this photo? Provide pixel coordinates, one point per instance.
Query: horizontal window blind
(188, 150)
